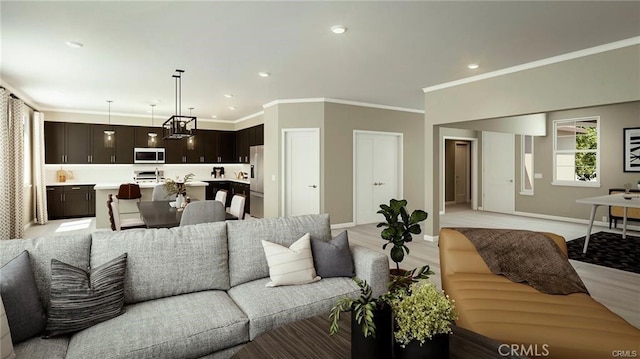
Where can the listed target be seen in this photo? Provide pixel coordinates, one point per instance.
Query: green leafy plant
(399, 227)
(177, 187)
(421, 311)
(363, 308)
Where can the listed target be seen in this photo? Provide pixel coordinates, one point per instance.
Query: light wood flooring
(616, 289)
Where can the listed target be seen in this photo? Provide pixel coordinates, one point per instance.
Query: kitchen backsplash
(124, 173)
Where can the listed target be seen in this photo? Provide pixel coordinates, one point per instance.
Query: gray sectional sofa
(190, 292)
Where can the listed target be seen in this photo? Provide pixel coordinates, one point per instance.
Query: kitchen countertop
(226, 179)
(71, 183)
(113, 185)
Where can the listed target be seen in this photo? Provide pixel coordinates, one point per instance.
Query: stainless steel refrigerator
(256, 177)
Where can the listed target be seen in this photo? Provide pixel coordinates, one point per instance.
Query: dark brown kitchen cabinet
(258, 138)
(215, 186)
(242, 146)
(122, 140)
(142, 138)
(71, 201)
(175, 151)
(226, 146)
(67, 142)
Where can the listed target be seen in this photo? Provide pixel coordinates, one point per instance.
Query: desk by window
(160, 214)
(610, 200)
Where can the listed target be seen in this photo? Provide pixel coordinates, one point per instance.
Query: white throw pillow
(293, 265)
(6, 346)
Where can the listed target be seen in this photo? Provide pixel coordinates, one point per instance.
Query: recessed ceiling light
(264, 74)
(214, 116)
(232, 107)
(228, 95)
(338, 29)
(473, 66)
(74, 44)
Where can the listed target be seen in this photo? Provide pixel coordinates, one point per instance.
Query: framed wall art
(632, 149)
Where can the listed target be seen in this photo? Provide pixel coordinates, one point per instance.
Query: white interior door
(301, 171)
(462, 172)
(378, 173)
(498, 171)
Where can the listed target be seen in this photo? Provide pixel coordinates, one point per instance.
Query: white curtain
(38, 169)
(12, 112)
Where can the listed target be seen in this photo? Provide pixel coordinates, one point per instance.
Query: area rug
(609, 250)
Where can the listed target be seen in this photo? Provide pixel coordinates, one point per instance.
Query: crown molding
(248, 117)
(343, 102)
(539, 63)
(122, 114)
(23, 96)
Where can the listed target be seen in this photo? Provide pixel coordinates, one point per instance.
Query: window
(526, 176)
(576, 152)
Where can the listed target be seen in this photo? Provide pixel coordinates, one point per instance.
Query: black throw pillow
(21, 298)
(80, 300)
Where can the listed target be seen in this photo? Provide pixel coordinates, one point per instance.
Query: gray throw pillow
(80, 300)
(333, 258)
(21, 298)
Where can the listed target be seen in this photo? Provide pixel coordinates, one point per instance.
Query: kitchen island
(128, 208)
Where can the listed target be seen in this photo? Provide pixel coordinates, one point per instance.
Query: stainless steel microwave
(148, 155)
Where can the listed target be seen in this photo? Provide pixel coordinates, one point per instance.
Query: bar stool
(129, 191)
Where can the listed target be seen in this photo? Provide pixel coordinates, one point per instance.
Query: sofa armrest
(373, 267)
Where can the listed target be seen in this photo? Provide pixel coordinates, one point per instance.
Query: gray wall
(560, 200)
(340, 122)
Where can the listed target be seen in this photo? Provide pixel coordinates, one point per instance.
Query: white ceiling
(390, 52)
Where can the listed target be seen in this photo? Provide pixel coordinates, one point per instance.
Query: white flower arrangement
(421, 312)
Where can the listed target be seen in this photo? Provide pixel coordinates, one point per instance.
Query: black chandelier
(177, 126)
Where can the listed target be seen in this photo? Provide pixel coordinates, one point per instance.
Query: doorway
(459, 164)
(377, 173)
(301, 171)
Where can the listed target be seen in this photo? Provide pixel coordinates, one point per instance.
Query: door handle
(510, 181)
(375, 183)
(380, 183)
(313, 186)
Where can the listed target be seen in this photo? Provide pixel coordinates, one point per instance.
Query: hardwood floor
(617, 290)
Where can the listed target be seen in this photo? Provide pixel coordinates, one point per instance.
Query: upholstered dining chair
(237, 206)
(221, 196)
(159, 194)
(202, 212)
(118, 223)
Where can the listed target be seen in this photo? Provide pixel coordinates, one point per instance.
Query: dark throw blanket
(525, 256)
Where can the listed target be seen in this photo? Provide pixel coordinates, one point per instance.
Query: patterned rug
(609, 250)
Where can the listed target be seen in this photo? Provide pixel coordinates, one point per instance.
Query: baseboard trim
(28, 225)
(573, 220)
(343, 225)
(429, 238)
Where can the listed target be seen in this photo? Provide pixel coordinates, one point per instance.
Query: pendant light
(109, 133)
(191, 140)
(177, 126)
(151, 136)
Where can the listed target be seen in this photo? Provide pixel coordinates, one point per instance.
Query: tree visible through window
(576, 151)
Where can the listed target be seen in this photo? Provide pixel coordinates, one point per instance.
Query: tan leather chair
(565, 326)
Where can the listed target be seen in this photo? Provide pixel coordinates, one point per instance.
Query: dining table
(161, 214)
(632, 201)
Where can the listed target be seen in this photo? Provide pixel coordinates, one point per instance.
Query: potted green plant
(399, 228)
(423, 318)
(371, 323)
(178, 188)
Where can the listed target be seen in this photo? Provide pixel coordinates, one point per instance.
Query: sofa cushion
(571, 326)
(167, 262)
(40, 348)
(247, 261)
(293, 265)
(24, 311)
(333, 258)
(80, 299)
(184, 326)
(268, 308)
(70, 248)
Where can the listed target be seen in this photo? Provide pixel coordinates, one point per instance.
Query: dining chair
(237, 206)
(221, 196)
(118, 223)
(159, 194)
(126, 192)
(202, 212)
